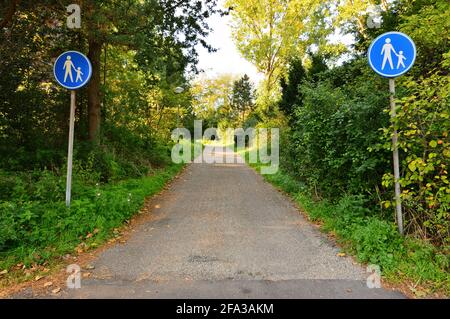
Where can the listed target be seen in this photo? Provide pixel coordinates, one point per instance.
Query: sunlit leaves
(268, 33)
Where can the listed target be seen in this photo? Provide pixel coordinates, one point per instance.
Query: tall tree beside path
(290, 94)
(355, 13)
(267, 33)
(213, 101)
(242, 99)
(157, 28)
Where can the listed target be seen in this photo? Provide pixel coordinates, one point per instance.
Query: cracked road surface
(221, 231)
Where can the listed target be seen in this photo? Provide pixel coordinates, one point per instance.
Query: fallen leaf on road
(89, 267)
(3, 272)
(38, 277)
(56, 290)
(48, 284)
(341, 255)
(157, 206)
(86, 274)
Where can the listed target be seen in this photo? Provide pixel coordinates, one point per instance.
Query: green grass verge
(372, 240)
(33, 232)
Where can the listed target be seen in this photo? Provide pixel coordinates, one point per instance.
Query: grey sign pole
(380, 57)
(70, 149)
(63, 68)
(398, 203)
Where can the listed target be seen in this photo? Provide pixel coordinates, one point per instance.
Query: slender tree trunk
(93, 90)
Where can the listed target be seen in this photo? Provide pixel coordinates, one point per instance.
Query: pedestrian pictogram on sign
(392, 54)
(72, 70)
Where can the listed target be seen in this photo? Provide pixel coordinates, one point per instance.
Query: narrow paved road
(221, 231)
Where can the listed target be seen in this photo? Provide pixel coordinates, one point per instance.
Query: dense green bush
(339, 142)
(377, 242)
(111, 178)
(327, 144)
(423, 121)
(34, 228)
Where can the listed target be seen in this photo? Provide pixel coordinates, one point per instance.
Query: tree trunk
(93, 90)
(9, 14)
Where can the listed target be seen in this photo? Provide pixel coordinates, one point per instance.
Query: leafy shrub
(348, 213)
(327, 144)
(7, 185)
(47, 186)
(423, 121)
(378, 242)
(33, 231)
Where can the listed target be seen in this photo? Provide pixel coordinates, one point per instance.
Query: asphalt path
(221, 231)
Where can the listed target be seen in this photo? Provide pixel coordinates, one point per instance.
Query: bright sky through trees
(227, 59)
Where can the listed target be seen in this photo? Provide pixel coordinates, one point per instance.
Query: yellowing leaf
(56, 290)
(412, 166)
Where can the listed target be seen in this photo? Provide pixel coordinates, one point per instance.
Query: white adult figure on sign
(68, 65)
(387, 50)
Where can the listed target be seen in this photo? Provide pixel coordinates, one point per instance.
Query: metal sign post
(72, 70)
(391, 55)
(70, 148)
(398, 202)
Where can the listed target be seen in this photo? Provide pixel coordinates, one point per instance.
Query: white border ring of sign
(405, 70)
(81, 85)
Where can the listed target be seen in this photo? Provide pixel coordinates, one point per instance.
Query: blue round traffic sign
(72, 70)
(392, 54)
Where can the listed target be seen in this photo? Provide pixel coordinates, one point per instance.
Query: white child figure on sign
(401, 59)
(79, 74)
